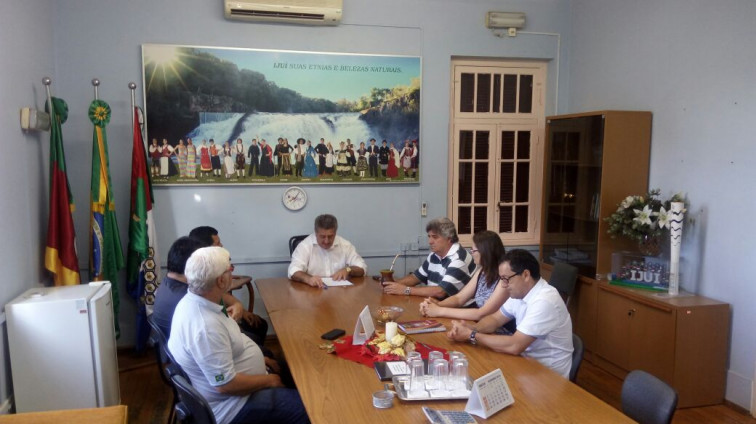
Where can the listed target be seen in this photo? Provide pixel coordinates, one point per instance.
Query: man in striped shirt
(446, 269)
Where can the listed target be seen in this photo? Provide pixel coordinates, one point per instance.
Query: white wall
(691, 63)
(26, 43)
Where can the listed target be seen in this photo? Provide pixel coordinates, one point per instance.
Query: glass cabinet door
(573, 189)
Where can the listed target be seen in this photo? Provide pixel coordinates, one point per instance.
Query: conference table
(336, 390)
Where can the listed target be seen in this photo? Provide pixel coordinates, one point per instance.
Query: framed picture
(243, 116)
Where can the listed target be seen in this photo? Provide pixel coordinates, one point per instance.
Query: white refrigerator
(62, 348)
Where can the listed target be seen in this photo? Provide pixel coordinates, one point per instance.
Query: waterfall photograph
(244, 116)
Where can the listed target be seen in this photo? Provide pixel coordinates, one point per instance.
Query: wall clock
(294, 198)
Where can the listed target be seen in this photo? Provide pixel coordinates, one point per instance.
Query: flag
(141, 269)
(60, 249)
(105, 254)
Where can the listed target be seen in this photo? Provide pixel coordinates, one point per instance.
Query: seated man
(226, 368)
(544, 329)
(251, 324)
(173, 286)
(446, 269)
(324, 254)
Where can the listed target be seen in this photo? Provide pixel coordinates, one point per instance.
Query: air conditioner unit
(305, 12)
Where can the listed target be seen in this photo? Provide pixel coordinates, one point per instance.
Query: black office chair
(577, 356)
(647, 399)
(294, 242)
(563, 278)
(192, 408)
(164, 362)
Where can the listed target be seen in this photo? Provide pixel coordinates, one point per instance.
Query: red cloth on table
(343, 348)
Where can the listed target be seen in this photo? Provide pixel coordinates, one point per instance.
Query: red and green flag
(105, 254)
(141, 268)
(60, 249)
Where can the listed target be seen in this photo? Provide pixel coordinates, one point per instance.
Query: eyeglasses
(506, 279)
(472, 250)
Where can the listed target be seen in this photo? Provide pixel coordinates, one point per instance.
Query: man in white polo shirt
(226, 367)
(544, 329)
(324, 254)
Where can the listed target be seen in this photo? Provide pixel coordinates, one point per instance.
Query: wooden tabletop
(336, 390)
(107, 415)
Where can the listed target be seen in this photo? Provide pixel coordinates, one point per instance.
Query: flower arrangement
(640, 217)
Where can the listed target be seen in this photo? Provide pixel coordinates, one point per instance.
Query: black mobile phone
(333, 334)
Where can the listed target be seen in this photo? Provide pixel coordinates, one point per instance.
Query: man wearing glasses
(544, 329)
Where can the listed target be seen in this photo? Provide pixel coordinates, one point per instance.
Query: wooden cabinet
(592, 161)
(682, 340)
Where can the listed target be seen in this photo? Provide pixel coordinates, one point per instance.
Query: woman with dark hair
(486, 292)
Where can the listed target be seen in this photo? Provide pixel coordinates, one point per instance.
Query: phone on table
(333, 334)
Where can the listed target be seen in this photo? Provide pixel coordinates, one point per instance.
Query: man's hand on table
(460, 331)
(340, 275)
(394, 288)
(314, 281)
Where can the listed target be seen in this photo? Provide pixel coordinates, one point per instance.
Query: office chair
(164, 363)
(192, 408)
(563, 278)
(577, 356)
(647, 399)
(294, 242)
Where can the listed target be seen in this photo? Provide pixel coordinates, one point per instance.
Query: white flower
(627, 202)
(643, 217)
(663, 218)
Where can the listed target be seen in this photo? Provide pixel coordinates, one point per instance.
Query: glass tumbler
(432, 356)
(417, 375)
(458, 375)
(439, 373)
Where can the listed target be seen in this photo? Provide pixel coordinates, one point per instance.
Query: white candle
(390, 330)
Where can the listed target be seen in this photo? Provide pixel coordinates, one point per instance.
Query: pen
(325, 286)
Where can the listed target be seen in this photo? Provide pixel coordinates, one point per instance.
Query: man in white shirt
(324, 254)
(227, 368)
(544, 329)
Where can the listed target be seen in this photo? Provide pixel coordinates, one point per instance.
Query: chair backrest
(647, 399)
(192, 408)
(160, 346)
(577, 356)
(294, 242)
(563, 278)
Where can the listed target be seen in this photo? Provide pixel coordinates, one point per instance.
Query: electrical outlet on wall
(424, 209)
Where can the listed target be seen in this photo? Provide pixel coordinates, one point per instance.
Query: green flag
(105, 255)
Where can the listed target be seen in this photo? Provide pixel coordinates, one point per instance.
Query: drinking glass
(458, 378)
(439, 373)
(433, 355)
(413, 355)
(417, 375)
(454, 355)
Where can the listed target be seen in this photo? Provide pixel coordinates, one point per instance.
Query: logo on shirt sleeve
(219, 378)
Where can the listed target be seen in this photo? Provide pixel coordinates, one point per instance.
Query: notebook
(421, 326)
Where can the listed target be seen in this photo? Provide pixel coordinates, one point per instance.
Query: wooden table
(336, 390)
(117, 414)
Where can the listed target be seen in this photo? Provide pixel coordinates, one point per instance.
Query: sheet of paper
(330, 282)
(364, 328)
(398, 368)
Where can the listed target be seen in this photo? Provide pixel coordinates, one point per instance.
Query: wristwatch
(349, 271)
(473, 340)
(408, 291)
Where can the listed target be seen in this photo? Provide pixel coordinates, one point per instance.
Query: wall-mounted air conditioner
(306, 12)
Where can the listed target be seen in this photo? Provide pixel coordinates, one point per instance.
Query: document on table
(330, 282)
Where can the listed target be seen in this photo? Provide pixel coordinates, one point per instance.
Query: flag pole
(132, 87)
(96, 83)
(47, 81)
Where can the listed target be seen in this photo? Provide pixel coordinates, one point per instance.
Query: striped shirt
(450, 273)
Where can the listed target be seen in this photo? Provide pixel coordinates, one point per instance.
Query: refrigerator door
(51, 347)
(104, 348)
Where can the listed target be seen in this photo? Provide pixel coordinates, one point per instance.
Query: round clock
(294, 198)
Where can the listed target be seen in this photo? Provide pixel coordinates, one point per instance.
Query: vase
(677, 211)
(650, 245)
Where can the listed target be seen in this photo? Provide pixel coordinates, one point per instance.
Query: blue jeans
(277, 405)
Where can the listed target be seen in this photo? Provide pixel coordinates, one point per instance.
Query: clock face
(294, 198)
